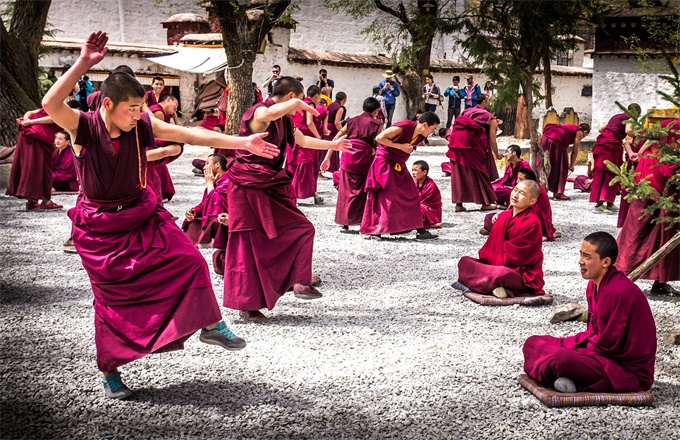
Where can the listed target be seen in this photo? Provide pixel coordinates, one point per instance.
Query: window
(587, 91)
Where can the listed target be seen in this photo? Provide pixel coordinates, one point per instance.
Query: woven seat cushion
(553, 398)
(490, 300)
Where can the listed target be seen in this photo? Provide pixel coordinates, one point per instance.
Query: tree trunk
(528, 93)
(655, 257)
(547, 76)
(411, 84)
(19, 65)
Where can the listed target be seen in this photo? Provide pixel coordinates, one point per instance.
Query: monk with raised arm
(616, 352)
(151, 286)
(511, 261)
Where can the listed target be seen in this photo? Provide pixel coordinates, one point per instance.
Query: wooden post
(651, 261)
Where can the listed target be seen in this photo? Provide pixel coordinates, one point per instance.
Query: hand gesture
(342, 144)
(303, 106)
(94, 50)
(223, 219)
(408, 148)
(325, 165)
(256, 145)
(571, 168)
(494, 218)
(633, 157)
(190, 215)
(208, 174)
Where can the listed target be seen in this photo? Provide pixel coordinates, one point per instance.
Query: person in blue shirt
(389, 90)
(453, 93)
(470, 92)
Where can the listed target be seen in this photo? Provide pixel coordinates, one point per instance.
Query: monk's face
(60, 141)
(158, 87)
(521, 177)
(592, 266)
(521, 198)
(170, 105)
(509, 154)
(126, 114)
(213, 165)
(418, 174)
(429, 129)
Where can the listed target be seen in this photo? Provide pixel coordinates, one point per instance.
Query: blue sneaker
(114, 386)
(458, 286)
(223, 337)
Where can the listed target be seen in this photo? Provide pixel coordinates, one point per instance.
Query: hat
(298, 77)
(388, 74)
(468, 76)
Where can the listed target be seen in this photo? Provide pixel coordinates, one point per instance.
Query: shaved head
(531, 187)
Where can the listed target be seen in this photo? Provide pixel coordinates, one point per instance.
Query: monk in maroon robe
(468, 154)
(392, 195)
(303, 163)
(480, 114)
(503, 186)
(511, 261)
(153, 96)
(361, 131)
(336, 114)
(169, 150)
(632, 147)
(270, 244)
(151, 286)
(542, 208)
(609, 147)
(640, 237)
(64, 177)
(430, 197)
(555, 142)
(616, 352)
(33, 165)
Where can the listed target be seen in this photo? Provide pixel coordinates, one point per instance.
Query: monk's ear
(606, 262)
(533, 201)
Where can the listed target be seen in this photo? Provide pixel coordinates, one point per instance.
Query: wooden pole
(651, 261)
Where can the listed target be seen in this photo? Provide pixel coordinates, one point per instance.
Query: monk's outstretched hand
(303, 106)
(325, 165)
(342, 144)
(256, 145)
(94, 50)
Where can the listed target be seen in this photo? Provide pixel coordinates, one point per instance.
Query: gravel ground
(391, 351)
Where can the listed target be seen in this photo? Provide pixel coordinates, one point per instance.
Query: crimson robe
(94, 100)
(33, 166)
(150, 98)
(392, 194)
(503, 186)
(608, 146)
(467, 152)
(555, 141)
(64, 176)
(354, 166)
(304, 161)
(270, 241)
(333, 110)
(430, 203)
(511, 257)
(615, 353)
(544, 212)
(204, 227)
(151, 286)
(624, 205)
(581, 182)
(161, 175)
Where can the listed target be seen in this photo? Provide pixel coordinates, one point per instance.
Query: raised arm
(264, 115)
(385, 138)
(339, 144)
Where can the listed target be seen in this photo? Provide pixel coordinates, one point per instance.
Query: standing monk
(609, 146)
(503, 186)
(151, 286)
(170, 150)
(336, 114)
(616, 352)
(392, 195)
(480, 114)
(361, 132)
(64, 177)
(430, 197)
(555, 142)
(270, 242)
(304, 164)
(511, 261)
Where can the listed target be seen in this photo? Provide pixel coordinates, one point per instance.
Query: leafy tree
(20, 49)
(405, 29)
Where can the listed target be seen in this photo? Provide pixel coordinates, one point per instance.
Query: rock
(567, 312)
(672, 338)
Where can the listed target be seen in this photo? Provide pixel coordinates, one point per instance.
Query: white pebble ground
(390, 351)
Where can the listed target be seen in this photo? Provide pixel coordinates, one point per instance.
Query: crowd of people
(151, 286)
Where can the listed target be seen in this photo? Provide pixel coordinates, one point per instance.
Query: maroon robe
(150, 98)
(64, 176)
(511, 257)
(270, 241)
(354, 166)
(616, 352)
(484, 116)
(608, 146)
(503, 186)
(392, 194)
(581, 182)
(555, 141)
(151, 286)
(94, 100)
(333, 110)
(624, 205)
(469, 179)
(544, 212)
(304, 161)
(430, 203)
(33, 166)
(640, 238)
(204, 227)
(162, 179)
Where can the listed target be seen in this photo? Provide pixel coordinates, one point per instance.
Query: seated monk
(617, 350)
(503, 186)
(542, 208)
(430, 197)
(584, 182)
(64, 175)
(510, 262)
(200, 224)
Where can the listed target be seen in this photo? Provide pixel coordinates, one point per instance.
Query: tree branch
(400, 15)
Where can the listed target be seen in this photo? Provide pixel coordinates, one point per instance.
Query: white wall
(568, 94)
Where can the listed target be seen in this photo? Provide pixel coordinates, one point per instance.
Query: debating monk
(430, 197)
(616, 352)
(503, 186)
(555, 141)
(511, 261)
(151, 286)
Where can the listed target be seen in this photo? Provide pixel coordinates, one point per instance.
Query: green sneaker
(223, 337)
(114, 386)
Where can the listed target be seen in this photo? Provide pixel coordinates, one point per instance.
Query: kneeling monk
(616, 352)
(511, 261)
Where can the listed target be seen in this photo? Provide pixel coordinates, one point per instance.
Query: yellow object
(656, 115)
(397, 167)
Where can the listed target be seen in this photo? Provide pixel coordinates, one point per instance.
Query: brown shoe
(490, 207)
(48, 205)
(253, 316)
(68, 246)
(483, 231)
(561, 197)
(306, 291)
(460, 208)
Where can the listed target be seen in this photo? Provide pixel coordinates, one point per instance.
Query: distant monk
(64, 177)
(361, 132)
(200, 223)
(632, 147)
(609, 147)
(169, 150)
(640, 238)
(270, 244)
(616, 352)
(480, 114)
(542, 208)
(467, 151)
(585, 182)
(555, 142)
(503, 186)
(392, 195)
(151, 286)
(336, 114)
(304, 164)
(430, 197)
(511, 261)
